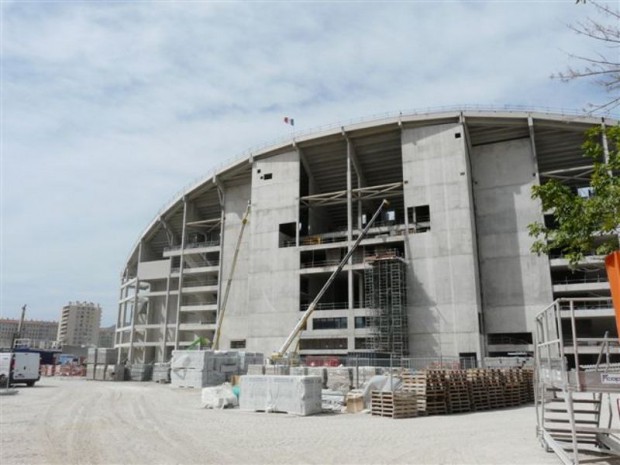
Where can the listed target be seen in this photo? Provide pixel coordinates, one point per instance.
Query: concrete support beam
(181, 264)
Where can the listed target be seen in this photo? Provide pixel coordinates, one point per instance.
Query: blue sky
(109, 108)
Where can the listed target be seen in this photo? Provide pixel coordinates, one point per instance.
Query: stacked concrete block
(226, 362)
(299, 395)
(161, 372)
(321, 372)
(101, 364)
(255, 369)
(299, 371)
(281, 370)
(201, 368)
(249, 358)
(339, 379)
(104, 372)
(141, 372)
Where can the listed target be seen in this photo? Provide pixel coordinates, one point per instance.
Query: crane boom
(304, 318)
(220, 314)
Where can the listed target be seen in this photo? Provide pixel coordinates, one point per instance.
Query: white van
(19, 367)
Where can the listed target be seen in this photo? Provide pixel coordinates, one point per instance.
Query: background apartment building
(79, 324)
(40, 334)
(447, 271)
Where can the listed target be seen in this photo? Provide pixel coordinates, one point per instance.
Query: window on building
(323, 344)
(361, 322)
(267, 176)
(420, 218)
(509, 338)
(238, 344)
(287, 234)
(362, 343)
(329, 323)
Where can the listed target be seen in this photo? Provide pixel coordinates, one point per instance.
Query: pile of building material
(161, 373)
(430, 389)
(339, 379)
(299, 395)
(141, 372)
(478, 389)
(495, 388)
(256, 369)
(194, 369)
(201, 368)
(394, 404)
(277, 370)
(249, 358)
(457, 391)
(101, 364)
(221, 396)
(321, 372)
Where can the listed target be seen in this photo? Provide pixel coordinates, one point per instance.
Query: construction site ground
(72, 420)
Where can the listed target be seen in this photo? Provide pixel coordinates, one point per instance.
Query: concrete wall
(235, 323)
(273, 295)
(516, 283)
(443, 301)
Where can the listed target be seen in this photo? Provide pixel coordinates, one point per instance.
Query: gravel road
(75, 421)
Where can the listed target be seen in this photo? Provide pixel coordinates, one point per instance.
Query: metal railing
(327, 306)
(193, 245)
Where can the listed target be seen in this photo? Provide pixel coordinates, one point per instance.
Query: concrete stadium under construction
(445, 272)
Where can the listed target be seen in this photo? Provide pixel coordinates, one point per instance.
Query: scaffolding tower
(386, 297)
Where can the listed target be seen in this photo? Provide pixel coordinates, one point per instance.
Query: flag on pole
(290, 121)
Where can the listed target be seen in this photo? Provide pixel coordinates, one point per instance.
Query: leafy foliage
(580, 219)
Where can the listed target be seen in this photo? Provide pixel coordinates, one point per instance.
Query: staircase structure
(577, 386)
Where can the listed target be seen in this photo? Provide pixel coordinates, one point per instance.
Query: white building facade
(79, 324)
(446, 271)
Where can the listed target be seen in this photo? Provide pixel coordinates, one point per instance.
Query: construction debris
(219, 397)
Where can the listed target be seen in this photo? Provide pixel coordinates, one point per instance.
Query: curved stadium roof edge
(433, 115)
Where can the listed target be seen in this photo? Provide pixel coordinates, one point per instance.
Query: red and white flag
(290, 121)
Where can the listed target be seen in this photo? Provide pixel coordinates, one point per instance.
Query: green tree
(583, 216)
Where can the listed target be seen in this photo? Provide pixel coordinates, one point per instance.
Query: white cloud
(110, 108)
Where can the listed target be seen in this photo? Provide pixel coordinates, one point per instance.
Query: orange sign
(612, 263)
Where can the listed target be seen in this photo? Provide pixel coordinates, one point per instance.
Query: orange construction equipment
(612, 263)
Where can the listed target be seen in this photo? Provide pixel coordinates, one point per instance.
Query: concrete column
(481, 349)
(221, 254)
(350, 317)
(166, 303)
(135, 308)
(181, 262)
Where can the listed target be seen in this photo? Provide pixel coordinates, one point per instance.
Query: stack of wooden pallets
(495, 387)
(394, 404)
(458, 391)
(430, 389)
(478, 388)
(512, 387)
(528, 378)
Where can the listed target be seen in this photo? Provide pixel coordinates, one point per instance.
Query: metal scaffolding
(386, 296)
(575, 407)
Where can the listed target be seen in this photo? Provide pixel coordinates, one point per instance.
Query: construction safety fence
(63, 370)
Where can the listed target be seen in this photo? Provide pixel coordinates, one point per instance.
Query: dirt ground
(75, 421)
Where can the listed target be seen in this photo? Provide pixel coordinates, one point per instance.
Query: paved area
(75, 421)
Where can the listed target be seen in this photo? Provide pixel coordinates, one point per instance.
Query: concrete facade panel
(512, 276)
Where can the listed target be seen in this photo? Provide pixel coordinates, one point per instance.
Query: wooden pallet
(393, 404)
